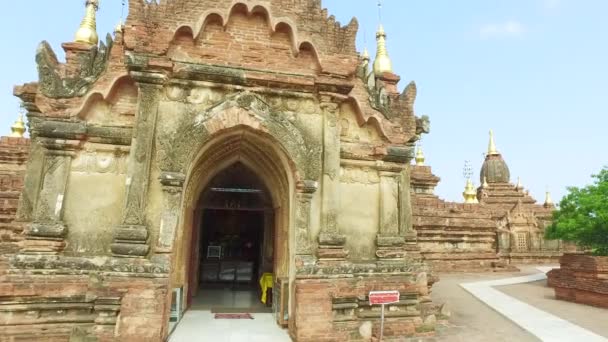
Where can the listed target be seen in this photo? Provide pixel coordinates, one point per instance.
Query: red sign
(383, 297)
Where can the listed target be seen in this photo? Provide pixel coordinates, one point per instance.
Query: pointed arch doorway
(236, 222)
(234, 243)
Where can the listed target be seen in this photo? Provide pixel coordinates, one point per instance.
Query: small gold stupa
(18, 128)
(87, 32)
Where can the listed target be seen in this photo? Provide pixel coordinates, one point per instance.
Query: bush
(582, 216)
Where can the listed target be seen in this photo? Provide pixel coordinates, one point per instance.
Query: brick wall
(455, 237)
(335, 309)
(72, 305)
(13, 157)
(581, 279)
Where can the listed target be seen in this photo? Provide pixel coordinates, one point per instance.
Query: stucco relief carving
(295, 104)
(177, 151)
(100, 162)
(362, 175)
(55, 84)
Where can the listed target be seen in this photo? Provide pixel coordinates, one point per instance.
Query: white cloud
(511, 28)
(551, 4)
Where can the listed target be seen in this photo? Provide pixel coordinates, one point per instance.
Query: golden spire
(485, 184)
(519, 185)
(383, 62)
(469, 194)
(492, 145)
(548, 199)
(87, 33)
(118, 29)
(365, 54)
(420, 156)
(18, 128)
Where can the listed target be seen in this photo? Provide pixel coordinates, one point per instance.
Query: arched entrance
(233, 242)
(236, 221)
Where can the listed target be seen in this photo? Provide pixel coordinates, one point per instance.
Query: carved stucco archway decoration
(261, 154)
(177, 149)
(241, 144)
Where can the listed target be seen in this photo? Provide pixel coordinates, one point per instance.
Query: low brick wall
(63, 304)
(581, 279)
(338, 309)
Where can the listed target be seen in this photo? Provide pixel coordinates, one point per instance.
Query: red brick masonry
(581, 279)
(13, 157)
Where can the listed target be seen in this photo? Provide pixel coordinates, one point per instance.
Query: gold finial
(87, 33)
(485, 184)
(492, 145)
(118, 29)
(383, 62)
(548, 199)
(365, 54)
(420, 156)
(469, 194)
(519, 185)
(18, 128)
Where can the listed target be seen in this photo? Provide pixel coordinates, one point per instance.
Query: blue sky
(535, 71)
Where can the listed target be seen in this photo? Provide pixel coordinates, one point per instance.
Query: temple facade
(211, 143)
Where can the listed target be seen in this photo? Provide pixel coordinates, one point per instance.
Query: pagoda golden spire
(365, 54)
(469, 194)
(119, 27)
(492, 151)
(548, 199)
(420, 156)
(87, 33)
(18, 128)
(519, 185)
(383, 62)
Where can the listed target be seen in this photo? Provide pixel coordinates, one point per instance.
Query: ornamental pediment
(270, 35)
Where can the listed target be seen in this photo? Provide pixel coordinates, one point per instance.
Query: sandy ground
(542, 297)
(471, 320)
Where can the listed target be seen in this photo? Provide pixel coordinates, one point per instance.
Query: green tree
(582, 216)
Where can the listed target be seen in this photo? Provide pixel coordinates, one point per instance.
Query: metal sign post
(382, 298)
(382, 323)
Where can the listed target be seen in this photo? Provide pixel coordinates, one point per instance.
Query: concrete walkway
(201, 326)
(541, 324)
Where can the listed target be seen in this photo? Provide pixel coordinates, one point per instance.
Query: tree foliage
(582, 216)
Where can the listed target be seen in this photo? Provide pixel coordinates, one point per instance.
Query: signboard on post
(383, 298)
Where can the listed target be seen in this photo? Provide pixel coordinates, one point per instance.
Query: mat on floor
(233, 316)
(229, 310)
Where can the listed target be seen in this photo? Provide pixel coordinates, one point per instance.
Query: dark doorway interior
(235, 242)
(231, 250)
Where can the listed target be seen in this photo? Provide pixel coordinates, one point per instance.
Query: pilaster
(47, 231)
(172, 185)
(131, 237)
(406, 225)
(304, 246)
(390, 240)
(331, 242)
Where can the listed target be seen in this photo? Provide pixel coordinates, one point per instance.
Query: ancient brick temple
(498, 225)
(201, 114)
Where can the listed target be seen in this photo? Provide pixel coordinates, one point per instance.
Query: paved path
(543, 325)
(201, 326)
